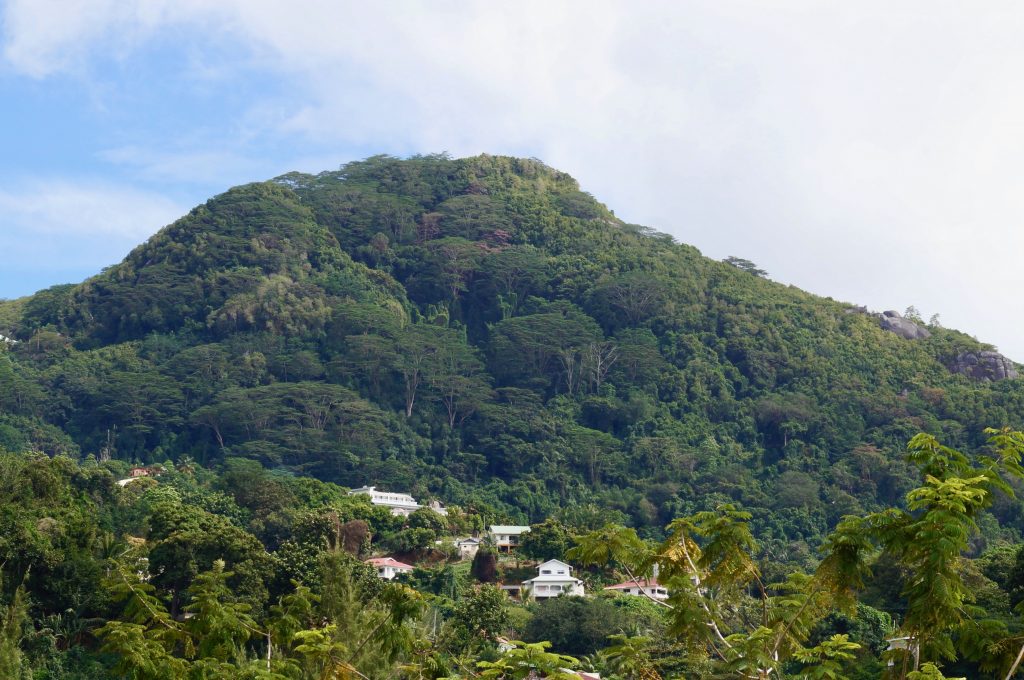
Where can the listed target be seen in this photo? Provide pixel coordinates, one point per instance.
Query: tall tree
(456, 376)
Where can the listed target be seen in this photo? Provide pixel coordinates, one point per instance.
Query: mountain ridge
(483, 330)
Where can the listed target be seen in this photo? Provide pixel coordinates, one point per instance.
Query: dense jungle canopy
(478, 331)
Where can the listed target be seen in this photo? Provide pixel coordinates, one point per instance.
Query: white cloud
(39, 36)
(88, 210)
(60, 231)
(868, 151)
(209, 167)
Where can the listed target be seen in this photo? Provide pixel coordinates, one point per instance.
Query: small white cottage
(468, 547)
(553, 578)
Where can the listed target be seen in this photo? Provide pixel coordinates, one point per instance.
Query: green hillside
(483, 331)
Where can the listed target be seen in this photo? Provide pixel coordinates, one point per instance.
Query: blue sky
(866, 151)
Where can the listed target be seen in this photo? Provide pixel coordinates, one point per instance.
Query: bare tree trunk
(1016, 662)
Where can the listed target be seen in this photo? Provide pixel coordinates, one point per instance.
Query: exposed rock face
(986, 366)
(893, 322)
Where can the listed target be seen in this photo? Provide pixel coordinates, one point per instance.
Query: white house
(648, 587)
(553, 578)
(400, 503)
(468, 547)
(506, 537)
(389, 567)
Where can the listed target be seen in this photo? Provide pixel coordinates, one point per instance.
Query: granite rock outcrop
(895, 323)
(984, 366)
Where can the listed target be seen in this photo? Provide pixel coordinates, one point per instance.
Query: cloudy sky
(868, 151)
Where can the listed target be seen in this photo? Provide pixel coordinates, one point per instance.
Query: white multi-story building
(400, 503)
(553, 578)
(388, 567)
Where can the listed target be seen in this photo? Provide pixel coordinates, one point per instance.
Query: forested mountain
(482, 331)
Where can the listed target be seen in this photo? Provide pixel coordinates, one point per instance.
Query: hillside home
(468, 547)
(646, 587)
(401, 504)
(388, 567)
(553, 578)
(507, 537)
(140, 473)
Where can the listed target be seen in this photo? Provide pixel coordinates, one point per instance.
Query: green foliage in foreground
(88, 591)
(482, 332)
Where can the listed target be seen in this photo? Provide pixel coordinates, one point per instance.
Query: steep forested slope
(481, 330)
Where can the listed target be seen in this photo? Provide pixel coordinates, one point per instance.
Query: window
(560, 571)
(556, 588)
(545, 571)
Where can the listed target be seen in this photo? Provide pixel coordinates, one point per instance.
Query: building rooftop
(553, 566)
(508, 529)
(388, 562)
(642, 583)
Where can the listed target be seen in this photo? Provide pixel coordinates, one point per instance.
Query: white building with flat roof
(400, 503)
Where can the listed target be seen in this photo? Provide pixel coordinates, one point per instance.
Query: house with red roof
(388, 567)
(647, 587)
